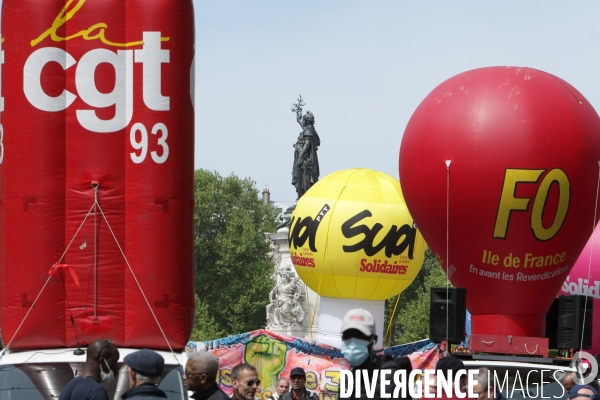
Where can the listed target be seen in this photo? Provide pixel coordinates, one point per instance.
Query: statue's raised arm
(299, 119)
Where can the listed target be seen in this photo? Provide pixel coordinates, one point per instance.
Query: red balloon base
(504, 325)
(523, 345)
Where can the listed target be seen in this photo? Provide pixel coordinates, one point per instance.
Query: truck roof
(9, 356)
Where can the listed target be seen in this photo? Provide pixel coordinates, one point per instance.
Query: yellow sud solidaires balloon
(351, 236)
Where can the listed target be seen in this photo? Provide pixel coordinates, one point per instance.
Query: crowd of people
(201, 370)
(145, 368)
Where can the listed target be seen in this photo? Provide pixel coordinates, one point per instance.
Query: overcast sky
(362, 68)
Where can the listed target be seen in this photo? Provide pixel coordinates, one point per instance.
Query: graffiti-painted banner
(274, 355)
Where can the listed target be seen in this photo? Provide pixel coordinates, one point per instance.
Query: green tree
(205, 326)
(411, 319)
(232, 256)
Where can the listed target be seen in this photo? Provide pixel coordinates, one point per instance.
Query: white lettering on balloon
(1, 62)
(1, 144)
(32, 87)
(1, 103)
(582, 287)
(142, 144)
(162, 142)
(151, 56)
(121, 96)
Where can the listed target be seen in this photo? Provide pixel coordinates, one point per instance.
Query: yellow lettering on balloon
(94, 32)
(509, 202)
(558, 177)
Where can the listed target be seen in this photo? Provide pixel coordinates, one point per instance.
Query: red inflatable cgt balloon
(500, 169)
(96, 173)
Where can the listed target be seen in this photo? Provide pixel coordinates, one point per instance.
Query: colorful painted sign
(351, 236)
(274, 355)
(499, 168)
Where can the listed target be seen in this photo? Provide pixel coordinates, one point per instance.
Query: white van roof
(9, 356)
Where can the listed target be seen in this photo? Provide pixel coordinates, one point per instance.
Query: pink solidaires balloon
(580, 282)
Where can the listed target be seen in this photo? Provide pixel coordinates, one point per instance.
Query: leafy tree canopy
(411, 319)
(232, 256)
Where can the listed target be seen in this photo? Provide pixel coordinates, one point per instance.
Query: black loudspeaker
(450, 304)
(571, 324)
(552, 325)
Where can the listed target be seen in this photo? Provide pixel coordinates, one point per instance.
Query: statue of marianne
(305, 172)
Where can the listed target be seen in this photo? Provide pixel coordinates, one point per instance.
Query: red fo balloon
(510, 214)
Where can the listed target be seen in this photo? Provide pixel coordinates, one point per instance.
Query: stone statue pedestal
(321, 316)
(283, 318)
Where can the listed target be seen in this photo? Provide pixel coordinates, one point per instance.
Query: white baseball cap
(359, 319)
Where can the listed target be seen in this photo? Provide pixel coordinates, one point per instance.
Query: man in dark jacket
(201, 376)
(299, 392)
(145, 369)
(100, 367)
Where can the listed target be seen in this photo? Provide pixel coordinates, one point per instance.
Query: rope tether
(589, 275)
(316, 305)
(448, 162)
(95, 185)
(96, 207)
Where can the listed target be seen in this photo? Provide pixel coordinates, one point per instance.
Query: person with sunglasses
(244, 380)
(200, 376)
(100, 366)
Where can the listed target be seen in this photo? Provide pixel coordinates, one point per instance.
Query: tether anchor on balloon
(508, 344)
(95, 209)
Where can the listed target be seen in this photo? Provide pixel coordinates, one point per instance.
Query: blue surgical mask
(355, 351)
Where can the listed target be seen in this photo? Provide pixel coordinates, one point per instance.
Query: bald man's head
(101, 348)
(104, 354)
(568, 381)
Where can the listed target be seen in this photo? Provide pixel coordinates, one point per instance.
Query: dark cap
(145, 362)
(449, 363)
(573, 393)
(298, 371)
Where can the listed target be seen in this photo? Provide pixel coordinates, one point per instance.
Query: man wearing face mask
(100, 367)
(358, 339)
